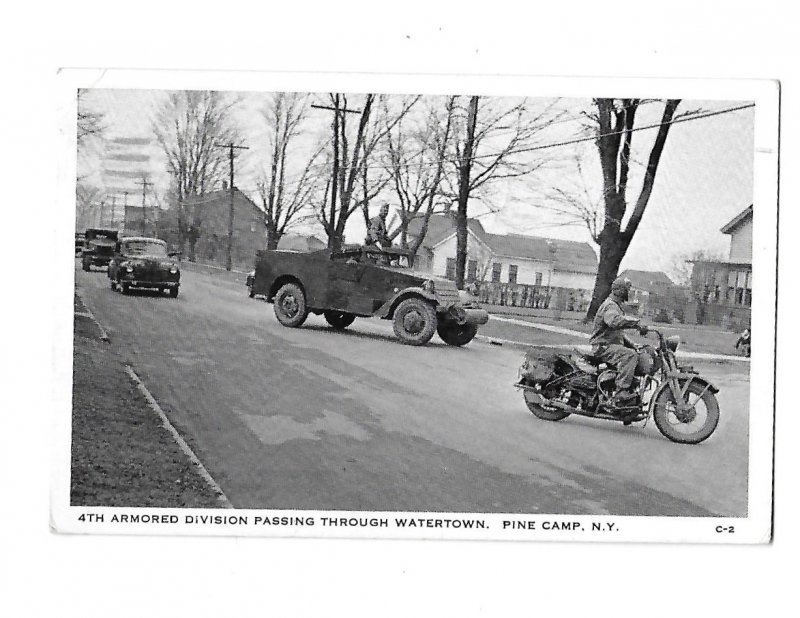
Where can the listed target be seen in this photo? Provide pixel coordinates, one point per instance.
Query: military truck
(366, 281)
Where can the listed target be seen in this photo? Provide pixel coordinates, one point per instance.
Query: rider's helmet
(620, 287)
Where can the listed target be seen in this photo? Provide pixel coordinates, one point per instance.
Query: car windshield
(144, 247)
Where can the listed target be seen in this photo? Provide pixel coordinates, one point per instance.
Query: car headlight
(673, 341)
(174, 270)
(427, 285)
(128, 268)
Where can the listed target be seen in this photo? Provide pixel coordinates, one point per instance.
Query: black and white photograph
(370, 310)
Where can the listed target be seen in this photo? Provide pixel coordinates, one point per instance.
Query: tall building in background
(127, 176)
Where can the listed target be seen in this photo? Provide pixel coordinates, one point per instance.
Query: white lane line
(201, 469)
(88, 314)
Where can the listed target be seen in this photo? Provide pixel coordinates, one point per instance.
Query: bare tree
(681, 268)
(284, 201)
(615, 125)
(187, 126)
(87, 200)
(415, 161)
(350, 156)
(90, 122)
(493, 142)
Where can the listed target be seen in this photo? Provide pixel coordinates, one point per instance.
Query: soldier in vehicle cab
(377, 234)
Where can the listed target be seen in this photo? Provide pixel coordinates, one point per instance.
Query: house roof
(565, 255)
(297, 242)
(441, 227)
(220, 197)
(739, 220)
(647, 280)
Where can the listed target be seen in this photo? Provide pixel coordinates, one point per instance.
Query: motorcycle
(682, 403)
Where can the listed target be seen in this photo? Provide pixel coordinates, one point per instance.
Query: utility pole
(144, 184)
(113, 208)
(230, 147)
(334, 187)
(125, 215)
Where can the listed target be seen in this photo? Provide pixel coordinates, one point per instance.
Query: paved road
(311, 418)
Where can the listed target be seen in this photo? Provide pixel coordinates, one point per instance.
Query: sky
(705, 177)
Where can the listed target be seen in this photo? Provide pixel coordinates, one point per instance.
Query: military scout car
(144, 263)
(364, 282)
(98, 247)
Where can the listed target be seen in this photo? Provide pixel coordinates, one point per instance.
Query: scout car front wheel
(456, 334)
(414, 321)
(173, 292)
(290, 305)
(339, 319)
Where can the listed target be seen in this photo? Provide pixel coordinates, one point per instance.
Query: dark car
(364, 282)
(80, 237)
(144, 263)
(98, 247)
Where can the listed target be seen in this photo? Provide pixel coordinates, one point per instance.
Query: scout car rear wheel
(290, 305)
(113, 285)
(87, 266)
(414, 321)
(339, 319)
(453, 333)
(173, 292)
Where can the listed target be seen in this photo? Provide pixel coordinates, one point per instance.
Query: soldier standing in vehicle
(609, 342)
(377, 234)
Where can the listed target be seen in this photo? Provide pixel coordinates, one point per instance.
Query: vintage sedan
(144, 263)
(366, 282)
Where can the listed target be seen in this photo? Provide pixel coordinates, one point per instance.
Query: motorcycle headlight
(427, 285)
(673, 341)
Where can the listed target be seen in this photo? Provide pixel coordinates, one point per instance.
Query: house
(208, 216)
(646, 283)
(653, 292)
(510, 268)
(297, 242)
(722, 289)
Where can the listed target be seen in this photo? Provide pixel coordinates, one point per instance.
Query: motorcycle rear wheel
(664, 414)
(541, 412)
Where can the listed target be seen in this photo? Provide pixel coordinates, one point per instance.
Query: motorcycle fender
(387, 308)
(685, 379)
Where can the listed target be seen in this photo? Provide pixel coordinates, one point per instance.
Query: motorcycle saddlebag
(539, 365)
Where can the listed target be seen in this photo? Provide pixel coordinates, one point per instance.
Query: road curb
(187, 450)
(88, 314)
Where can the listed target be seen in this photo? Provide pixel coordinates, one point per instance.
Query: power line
(689, 117)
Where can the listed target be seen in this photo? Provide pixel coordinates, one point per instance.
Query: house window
(496, 269)
(450, 273)
(512, 273)
(538, 279)
(472, 270)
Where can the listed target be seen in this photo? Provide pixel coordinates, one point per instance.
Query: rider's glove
(642, 330)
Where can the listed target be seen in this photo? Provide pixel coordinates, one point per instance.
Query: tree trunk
(273, 237)
(612, 250)
(463, 194)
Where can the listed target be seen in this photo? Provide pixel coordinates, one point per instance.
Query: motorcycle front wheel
(689, 426)
(539, 411)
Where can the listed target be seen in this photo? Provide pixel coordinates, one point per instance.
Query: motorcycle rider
(609, 343)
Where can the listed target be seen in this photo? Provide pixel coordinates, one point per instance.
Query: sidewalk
(584, 347)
